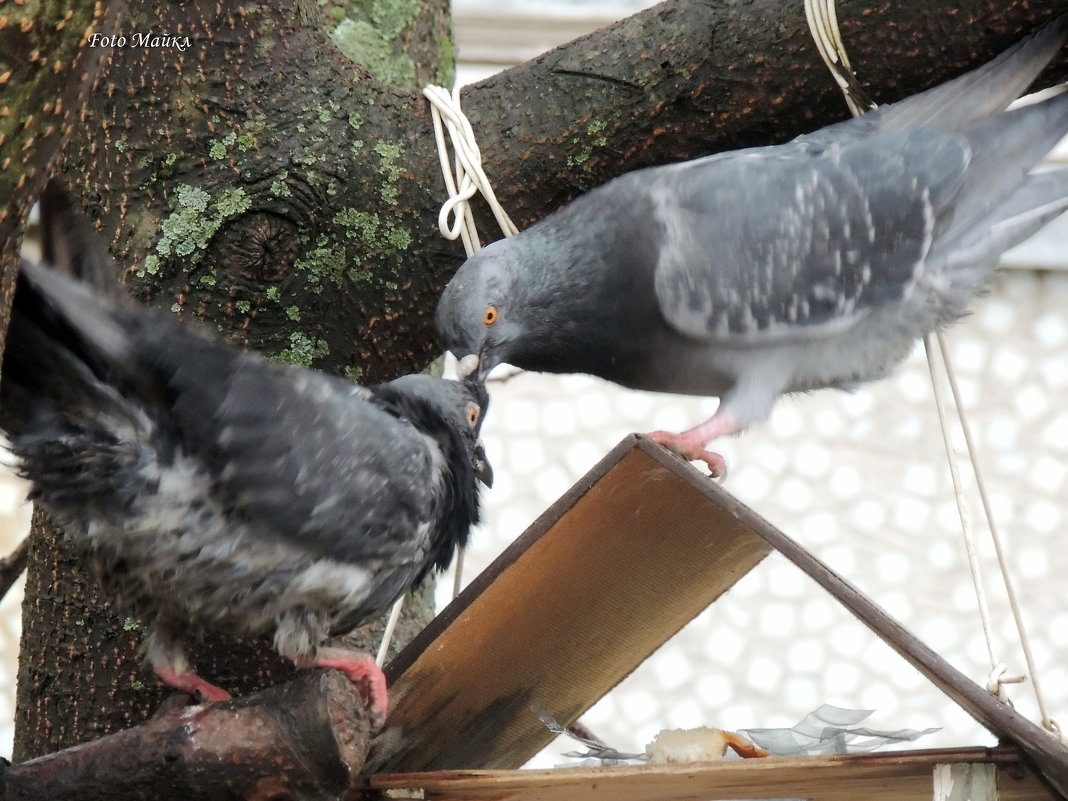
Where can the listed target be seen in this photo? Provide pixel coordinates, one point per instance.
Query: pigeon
(212, 489)
(754, 273)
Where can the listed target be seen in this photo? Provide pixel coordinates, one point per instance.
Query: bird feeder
(631, 553)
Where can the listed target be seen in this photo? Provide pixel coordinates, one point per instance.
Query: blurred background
(859, 479)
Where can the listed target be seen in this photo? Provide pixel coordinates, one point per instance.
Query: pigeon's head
(461, 405)
(478, 318)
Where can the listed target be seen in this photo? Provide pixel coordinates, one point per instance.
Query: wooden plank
(609, 572)
(891, 776)
(971, 781)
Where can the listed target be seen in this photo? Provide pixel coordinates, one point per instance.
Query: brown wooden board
(891, 776)
(638, 547)
(609, 572)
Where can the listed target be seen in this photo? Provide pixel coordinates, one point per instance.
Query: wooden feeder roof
(632, 552)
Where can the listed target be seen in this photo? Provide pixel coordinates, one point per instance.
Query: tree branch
(12, 565)
(305, 739)
(686, 78)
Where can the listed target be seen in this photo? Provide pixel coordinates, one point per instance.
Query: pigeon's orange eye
(491, 314)
(472, 414)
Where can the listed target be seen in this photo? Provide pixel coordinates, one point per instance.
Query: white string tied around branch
(469, 178)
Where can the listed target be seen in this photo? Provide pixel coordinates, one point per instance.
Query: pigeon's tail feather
(71, 245)
(60, 341)
(1003, 149)
(983, 91)
(70, 310)
(1033, 204)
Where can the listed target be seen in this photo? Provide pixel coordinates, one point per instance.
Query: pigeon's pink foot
(692, 450)
(202, 691)
(362, 671)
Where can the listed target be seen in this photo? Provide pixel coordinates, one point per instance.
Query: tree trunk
(44, 74)
(262, 183)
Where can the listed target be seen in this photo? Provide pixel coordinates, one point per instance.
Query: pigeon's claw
(202, 691)
(691, 450)
(361, 669)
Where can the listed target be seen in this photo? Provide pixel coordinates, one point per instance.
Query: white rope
(997, 668)
(469, 176)
(822, 16)
(462, 180)
(387, 634)
(995, 535)
(823, 24)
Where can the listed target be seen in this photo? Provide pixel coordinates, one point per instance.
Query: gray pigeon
(213, 489)
(749, 274)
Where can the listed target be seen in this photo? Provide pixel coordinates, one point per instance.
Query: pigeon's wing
(298, 454)
(782, 243)
(302, 456)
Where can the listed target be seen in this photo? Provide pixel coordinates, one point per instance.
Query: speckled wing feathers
(295, 454)
(350, 479)
(789, 244)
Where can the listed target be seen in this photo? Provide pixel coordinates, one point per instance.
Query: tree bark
(44, 75)
(260, 182)
(303, 740)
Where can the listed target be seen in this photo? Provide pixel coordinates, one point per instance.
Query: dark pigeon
(749, 274)
(213, 489)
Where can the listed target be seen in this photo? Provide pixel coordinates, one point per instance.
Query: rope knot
(468, 178)
(996, 681)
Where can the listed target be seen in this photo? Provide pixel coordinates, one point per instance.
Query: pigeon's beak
(467, 366)
(483, 471)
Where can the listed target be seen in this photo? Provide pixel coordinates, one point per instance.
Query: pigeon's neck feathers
(459, 484)
(574, 272)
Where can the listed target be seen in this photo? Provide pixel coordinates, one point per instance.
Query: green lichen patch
(279, 187)
(303, 350)
(370, 41)
(445, 75)
(389, 169)
(150, 266)
(595, 130)
(243, 306)
(379, 234)
(293, 313)
(220, 147)
(233, 202)
(325, 262)
(197, 217)
(328, 110)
